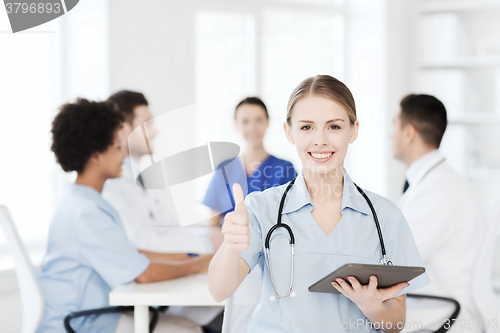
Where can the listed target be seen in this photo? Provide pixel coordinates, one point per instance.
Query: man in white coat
(144, 213)
(440, 206)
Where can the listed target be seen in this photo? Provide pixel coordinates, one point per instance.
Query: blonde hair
(324, 86)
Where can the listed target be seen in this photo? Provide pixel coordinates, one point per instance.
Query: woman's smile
(321, 156)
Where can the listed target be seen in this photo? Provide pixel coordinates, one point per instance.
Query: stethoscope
(290, 293)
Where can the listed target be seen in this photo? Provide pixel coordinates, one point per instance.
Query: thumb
(392, 291)
(239, 199)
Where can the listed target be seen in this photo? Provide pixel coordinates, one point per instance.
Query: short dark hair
(127, 101)
(82, 129)
(427, 114)
(253, 101)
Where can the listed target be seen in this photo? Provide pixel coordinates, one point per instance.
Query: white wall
(41, 69)
(151, 50)
(398, 55)
(365, 68)
(377, 72)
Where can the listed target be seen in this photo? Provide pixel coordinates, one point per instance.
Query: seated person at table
(146, 219)
(148, 222)
(88, 252)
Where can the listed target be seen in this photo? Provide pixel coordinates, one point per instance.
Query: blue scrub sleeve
(217, 196)
(402, 250)
(254, 253)
(104, 245)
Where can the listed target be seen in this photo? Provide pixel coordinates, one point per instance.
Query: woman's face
(251, 122)
(110, 161)
(123, 135)
(321, 131)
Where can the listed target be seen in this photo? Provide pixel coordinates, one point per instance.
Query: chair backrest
(239, 307)
(482, 288)
(31, 295)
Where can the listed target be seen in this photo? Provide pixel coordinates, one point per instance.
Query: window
(266, 50)
(41, 69)
(29, 85)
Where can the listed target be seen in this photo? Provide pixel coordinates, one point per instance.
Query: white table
(191, 290)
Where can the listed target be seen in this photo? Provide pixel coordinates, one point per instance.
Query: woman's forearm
(165, 256)
(159, 270)
(227, 269)
(224, 273)
(393, 312)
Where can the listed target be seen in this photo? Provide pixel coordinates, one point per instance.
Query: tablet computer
(387, 276)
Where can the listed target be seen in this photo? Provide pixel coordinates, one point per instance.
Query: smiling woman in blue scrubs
(332, 224)
(257, 169)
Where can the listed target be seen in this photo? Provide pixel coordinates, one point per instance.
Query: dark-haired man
(439, 204)
(146, 219)
(144, 213)
(88, 251)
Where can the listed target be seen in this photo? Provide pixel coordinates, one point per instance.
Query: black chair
(113, 309)
(454, 315)
(163, 308)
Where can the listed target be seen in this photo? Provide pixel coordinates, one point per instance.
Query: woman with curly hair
(88, 251)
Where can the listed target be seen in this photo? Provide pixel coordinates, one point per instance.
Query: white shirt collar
(299, 196)
(419, 168)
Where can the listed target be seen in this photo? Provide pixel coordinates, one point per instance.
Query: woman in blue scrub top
(259, 171)
(88, 252)
(332, 224)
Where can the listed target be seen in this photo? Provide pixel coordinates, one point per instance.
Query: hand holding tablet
(387, 276)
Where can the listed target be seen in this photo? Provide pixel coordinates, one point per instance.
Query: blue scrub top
(88, 254)
(354, 240)
(272, 172)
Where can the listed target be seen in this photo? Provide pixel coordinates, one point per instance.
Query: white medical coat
(448, 227)
(146, 219)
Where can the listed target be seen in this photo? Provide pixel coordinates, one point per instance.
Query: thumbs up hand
(236, 224)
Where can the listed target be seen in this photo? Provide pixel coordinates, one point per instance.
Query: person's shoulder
(73, 204)
(385, 208)
(267, 194)
(285, 169)
(228, 163)
(381, 201)
(85, 203)
(101, 216)
(279, 161)
(446, 182)
(269, 198)
(78, 198)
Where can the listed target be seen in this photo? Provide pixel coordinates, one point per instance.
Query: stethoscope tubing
(279, 224)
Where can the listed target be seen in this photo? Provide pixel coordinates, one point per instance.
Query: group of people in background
(101, 236)
(103, 232)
